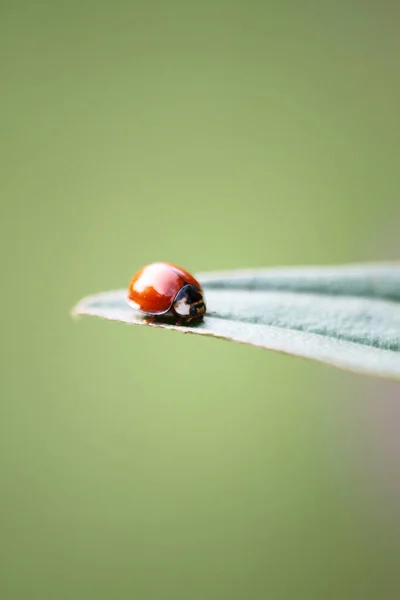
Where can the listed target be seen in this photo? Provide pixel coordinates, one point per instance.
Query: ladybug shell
(153, 289)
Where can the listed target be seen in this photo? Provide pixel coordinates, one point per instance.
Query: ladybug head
(189, 303)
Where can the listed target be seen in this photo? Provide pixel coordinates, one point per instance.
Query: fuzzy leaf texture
(347, 316)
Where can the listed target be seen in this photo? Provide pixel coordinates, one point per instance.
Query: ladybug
(167, 291)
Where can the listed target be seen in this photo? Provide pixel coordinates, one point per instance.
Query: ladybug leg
(150, 320)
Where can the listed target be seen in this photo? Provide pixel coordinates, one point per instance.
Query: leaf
(347, 316)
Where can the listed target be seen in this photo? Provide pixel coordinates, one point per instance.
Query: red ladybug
(167, 291)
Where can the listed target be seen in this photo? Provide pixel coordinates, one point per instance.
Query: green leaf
(347, 316)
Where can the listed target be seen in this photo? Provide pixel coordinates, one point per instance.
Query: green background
(139, 463)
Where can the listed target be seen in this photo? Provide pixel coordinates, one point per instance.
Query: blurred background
(139, 463)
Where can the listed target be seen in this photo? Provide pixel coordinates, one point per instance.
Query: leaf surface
(347, 316)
